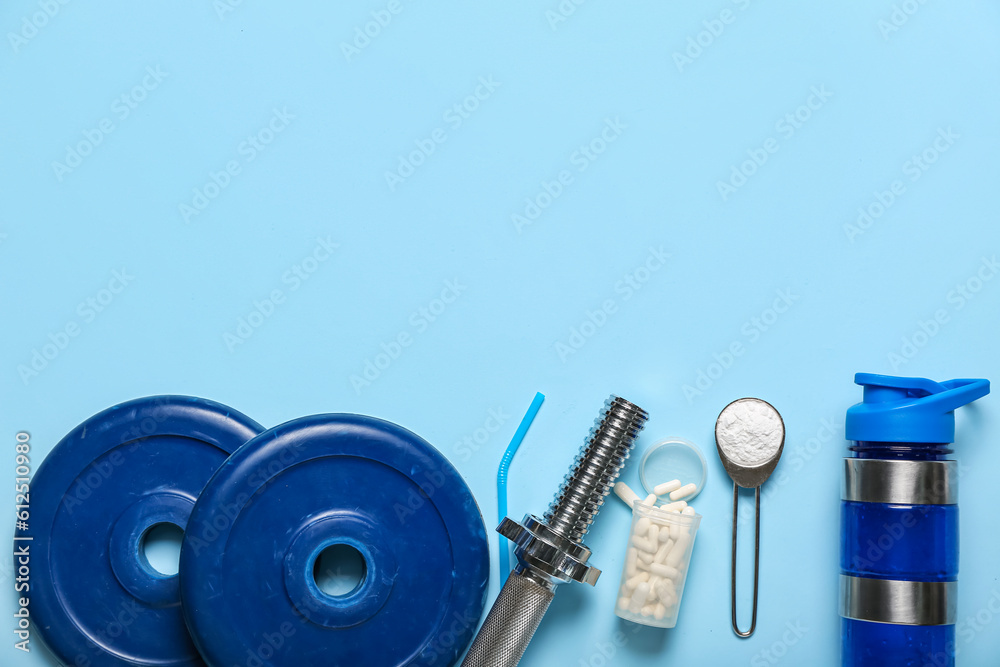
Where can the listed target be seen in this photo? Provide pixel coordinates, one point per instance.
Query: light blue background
(855, 299)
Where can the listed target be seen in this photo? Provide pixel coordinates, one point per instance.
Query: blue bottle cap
(905, 409)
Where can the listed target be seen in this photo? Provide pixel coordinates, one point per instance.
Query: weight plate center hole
(340, 569)
(160, 549)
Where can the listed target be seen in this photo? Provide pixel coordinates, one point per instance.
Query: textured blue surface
(880, 645)
(909, 542)
(121, 472)
(251, 546)
(783, 289)
(900, 542)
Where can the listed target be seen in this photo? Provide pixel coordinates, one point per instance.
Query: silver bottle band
(900, 482)
(898, 602)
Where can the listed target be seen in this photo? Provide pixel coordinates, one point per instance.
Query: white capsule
(677, 553)
(664, 590)
(649, 610)
(661, 553)
(670, 600)
(667, 487)
(645, 557)
(642, 565)
(683, 492)
(637, 579)
(660, 611)
(631, 560)
(625, 492)
(662, 570)
(642, 527)
(654, 533)
(638, 600)
(664, 534)
(674, 507)
(623, 602)
(689, 511)
(642, 544)
(650, 500)
(675, 531)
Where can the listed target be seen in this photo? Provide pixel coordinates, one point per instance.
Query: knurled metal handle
(510, 624)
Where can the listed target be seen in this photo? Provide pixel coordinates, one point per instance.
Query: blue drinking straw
(508, 456)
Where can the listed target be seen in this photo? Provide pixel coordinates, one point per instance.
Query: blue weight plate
(249, 572)
(94, 599)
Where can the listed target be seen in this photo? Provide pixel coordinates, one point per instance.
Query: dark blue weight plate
(248, 563)
(94, 598)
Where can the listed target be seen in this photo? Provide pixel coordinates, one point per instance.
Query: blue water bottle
(899, 522)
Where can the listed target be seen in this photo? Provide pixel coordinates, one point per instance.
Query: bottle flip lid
(907, 409)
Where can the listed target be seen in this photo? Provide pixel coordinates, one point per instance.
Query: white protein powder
(750, 432)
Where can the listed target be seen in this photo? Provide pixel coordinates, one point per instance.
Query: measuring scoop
(750, 436)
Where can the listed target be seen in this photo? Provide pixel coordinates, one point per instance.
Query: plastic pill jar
(657, 559)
